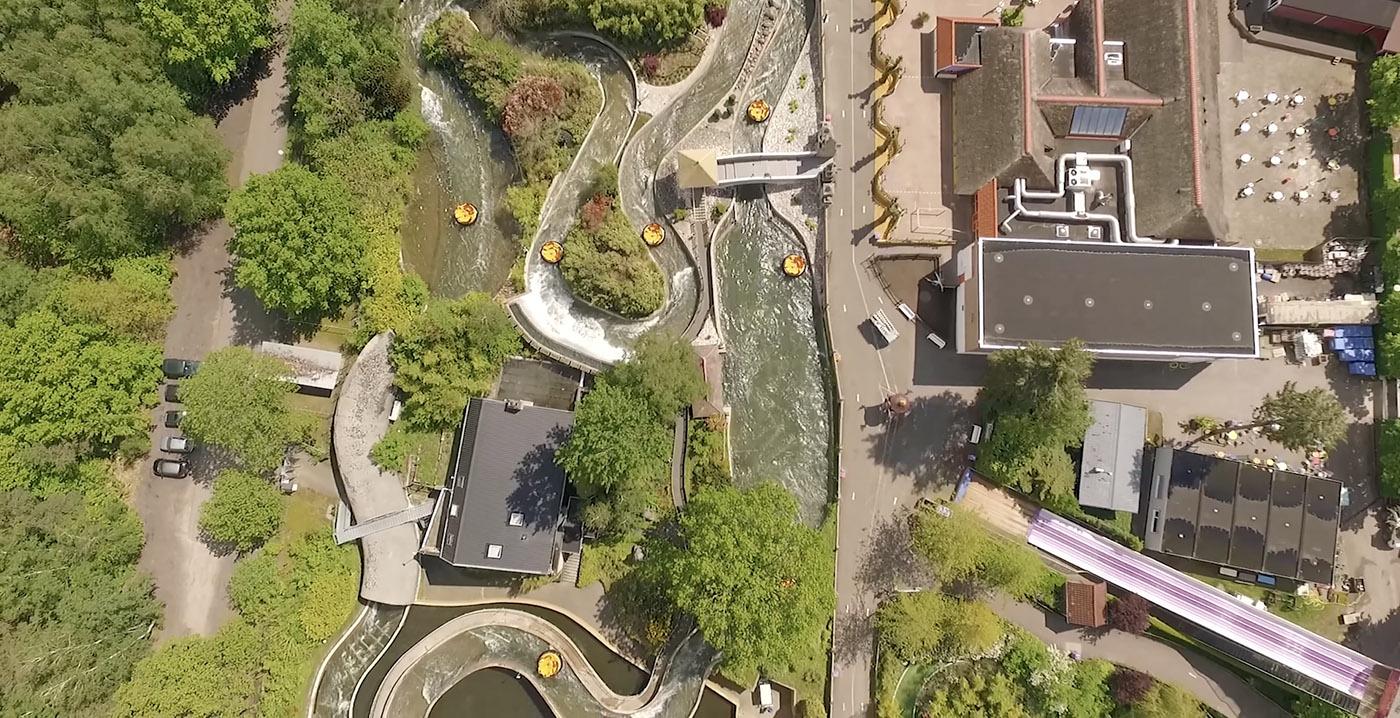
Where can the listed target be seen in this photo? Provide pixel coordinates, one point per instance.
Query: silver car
(177, 445)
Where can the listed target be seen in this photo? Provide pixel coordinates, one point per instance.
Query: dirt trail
(190, 579)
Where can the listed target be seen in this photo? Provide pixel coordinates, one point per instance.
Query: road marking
(843, 113)
(881, 298)
(857, 398)
(896, 501)
(865, 113)
(843, 212)
(864, 209)
(853, 496)
(843, 309)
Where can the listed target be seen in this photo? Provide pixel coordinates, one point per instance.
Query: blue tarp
(1339, 343)
(1351, 355)
(1352, 330)
(1362, 368)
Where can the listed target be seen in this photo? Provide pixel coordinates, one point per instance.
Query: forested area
(638, 26)
(100, 156)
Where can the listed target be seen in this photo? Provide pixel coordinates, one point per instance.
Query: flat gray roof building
(1123, 300)
(506, 494)
(1110, 476)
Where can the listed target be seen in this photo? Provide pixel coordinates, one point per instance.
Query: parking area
(1296, 142)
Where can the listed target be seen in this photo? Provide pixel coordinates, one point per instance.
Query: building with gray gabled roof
(504, 499)
(1110, 475)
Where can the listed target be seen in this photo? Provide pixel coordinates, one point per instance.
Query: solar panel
(1098, 121)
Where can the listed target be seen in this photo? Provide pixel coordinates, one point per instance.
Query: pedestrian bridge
(704, 168)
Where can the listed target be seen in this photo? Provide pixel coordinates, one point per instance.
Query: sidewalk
(1210, 682)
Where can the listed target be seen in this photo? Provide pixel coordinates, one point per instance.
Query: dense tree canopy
(67, 384)
(208, 38)
(75, 613)
(295, 243)
(134, 302)
(757, 580)
(1302, 420)
(1035, 396)
(964, 552)
(928, 626)
(450, 353)
(1385, 91)
(99, 156)
(611, 268)
(619, 451)
(243, 512)
(640, 26)
(238, 400)
(1131, 613)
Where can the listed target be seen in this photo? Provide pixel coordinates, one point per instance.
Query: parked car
(179, 368)
(172, 392)
(173, 418)
(828, 193)
(179, 444)
(171, 468)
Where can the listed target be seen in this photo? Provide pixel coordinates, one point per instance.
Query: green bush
(810, 709)
(1388, 451)
(612, 268)
(243, 512)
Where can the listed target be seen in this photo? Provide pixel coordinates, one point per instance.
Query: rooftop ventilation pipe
(1082, 159)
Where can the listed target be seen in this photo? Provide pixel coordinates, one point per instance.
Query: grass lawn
(424, 453)
(317, 412)
(1324, 620)
(1267, 254)
(304, 512)
(605, 562)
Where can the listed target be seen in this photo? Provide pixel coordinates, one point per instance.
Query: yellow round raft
(652, 234)
(794, 265)
(759, 110)
(552, 252)
(465, 214)
(549, 664)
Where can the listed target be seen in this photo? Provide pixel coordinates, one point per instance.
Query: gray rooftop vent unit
(1062, 231)
(514, 406)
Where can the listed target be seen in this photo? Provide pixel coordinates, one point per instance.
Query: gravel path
(796, 131)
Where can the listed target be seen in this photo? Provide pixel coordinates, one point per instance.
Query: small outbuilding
(1085, 600)
(1110, 477)
(697, 168)
(314, 371)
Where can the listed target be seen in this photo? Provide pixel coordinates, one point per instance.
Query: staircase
(569, 574)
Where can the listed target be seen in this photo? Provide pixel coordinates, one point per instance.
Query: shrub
(531, 101)
(1131, 614)
(244, 510)
(715, 14)
(680, 214)
(594, 213)
(1388, 449)
(1130, 686)
(612, 269)
(808, 708)
(650, 64)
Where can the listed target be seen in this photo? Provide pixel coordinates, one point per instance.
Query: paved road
(1209, 681)
(869, 491)
(189, 578)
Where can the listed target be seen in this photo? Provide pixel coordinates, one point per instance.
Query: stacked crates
(1355, 345)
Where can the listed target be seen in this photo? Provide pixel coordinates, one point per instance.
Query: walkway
(1209, 681)
(770, 167)
(361, 420)
(678, 443)
(505, 638)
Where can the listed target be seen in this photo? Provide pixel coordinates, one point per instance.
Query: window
(1098, 121)
(493, 550)
(517, 518)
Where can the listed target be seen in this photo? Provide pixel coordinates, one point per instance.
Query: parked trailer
(884, 326)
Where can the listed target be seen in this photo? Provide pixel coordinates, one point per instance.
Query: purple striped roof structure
(1330, 664)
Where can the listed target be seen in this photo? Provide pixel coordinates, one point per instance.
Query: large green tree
(1035, 396)
(1385, 91)
(238, 400)
(1301, 420)
(928, 626)
(209, 38)
(75, 612)
(453, 351)
(69, 384)
(616, 454)
(962, 550)
(243, 512)
(196, 676)
(135, 301)
(757, 580)
(296, 243)
(662, 369)
(99, 156)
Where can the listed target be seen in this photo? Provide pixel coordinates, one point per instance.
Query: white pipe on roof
(1019, 191)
